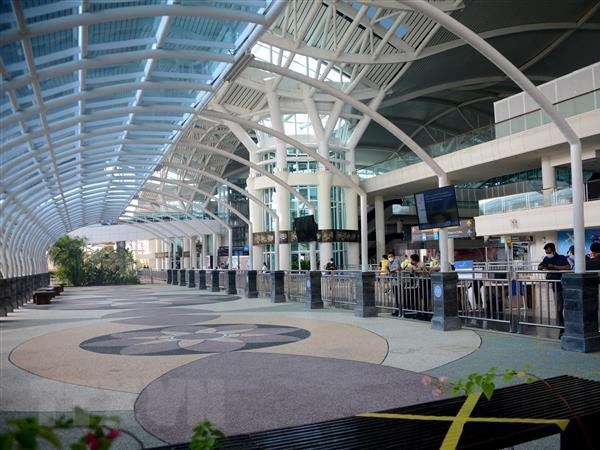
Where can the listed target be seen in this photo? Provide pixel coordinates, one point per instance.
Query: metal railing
(240, 281)
(295, 286)
(386, 293)
(537, 199)
(152, 276)
(486, 295)
(539, 297)
(338, 288)
(222, 279)
(494, 292)
(263, 284)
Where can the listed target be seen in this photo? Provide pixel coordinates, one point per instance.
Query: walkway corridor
(164, 357)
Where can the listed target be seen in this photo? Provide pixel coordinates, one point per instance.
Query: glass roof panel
(107, 126)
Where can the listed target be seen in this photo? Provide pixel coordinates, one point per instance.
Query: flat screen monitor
(305, 228)
(437, 208)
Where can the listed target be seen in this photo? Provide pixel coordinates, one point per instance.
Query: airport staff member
(553, 262)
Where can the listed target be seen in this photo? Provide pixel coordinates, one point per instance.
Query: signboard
(466, 229)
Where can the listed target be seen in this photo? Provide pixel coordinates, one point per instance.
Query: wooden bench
(513, 416)
(44, 296)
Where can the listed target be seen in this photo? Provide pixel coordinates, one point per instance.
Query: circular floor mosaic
(186, 339)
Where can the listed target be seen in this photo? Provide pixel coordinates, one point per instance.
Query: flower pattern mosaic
(189, 339)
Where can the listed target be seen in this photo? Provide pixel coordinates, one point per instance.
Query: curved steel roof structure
(96, 95)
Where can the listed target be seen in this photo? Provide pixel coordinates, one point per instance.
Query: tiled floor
(164, 357)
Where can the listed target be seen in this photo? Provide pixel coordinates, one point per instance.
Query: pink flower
(92, 441)
(443, 379)
(426, 380)
(436, 392)
(113, 434)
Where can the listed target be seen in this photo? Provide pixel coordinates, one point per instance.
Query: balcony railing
(537, 199)
(567, 108)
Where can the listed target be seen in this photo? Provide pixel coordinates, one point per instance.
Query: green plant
(477, 382)
(109, 266)
(206, 436)
(99, 432)
(68, 257)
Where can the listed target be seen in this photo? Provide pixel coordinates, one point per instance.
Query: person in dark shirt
(554, 262)
(593, 262)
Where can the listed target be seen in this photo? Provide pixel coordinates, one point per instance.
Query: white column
(450, 250)
(230, 248)
(193, 254)
(351, 201)
(282, 203)
(255, 216)
(165, 249)
(548, 180)
(379, 227)
(324, 208)
(282, 206)
(156, 244)
(215, 242)
(185, 260)
(443, 235)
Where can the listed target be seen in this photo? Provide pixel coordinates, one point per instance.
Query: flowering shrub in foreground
(476, 382)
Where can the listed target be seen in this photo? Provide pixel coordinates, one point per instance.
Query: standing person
(553, 262)
(394, 270)
(571, 256)
(384, 265)
(593, 262)
(405, 262)
(330, 265)
(265, 268)
(415, 266)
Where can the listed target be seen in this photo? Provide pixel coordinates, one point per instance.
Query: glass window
(267, 198)
(338, 208)
(298, 209)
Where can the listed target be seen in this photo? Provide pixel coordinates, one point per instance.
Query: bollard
(251, 289)
(215, 281)
(230, 286)
(191, 278)
(182, 277)
(202, 279)
(169, 276)
(581, 312)
(445, 303)
(313, 290)
(365, 295)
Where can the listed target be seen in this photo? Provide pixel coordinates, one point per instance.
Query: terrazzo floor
(165, 357)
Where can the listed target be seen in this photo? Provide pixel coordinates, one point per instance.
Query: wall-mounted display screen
(437, 208)
(305, 228)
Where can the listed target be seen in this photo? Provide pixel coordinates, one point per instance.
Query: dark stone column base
(445, 306)
(277, 288)
(251, 290)
(202, 280)
(365, 295)
(191, 278)
(314, 300)
(580, 291)
(181, 277)
(215, 281)
(231, 288)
